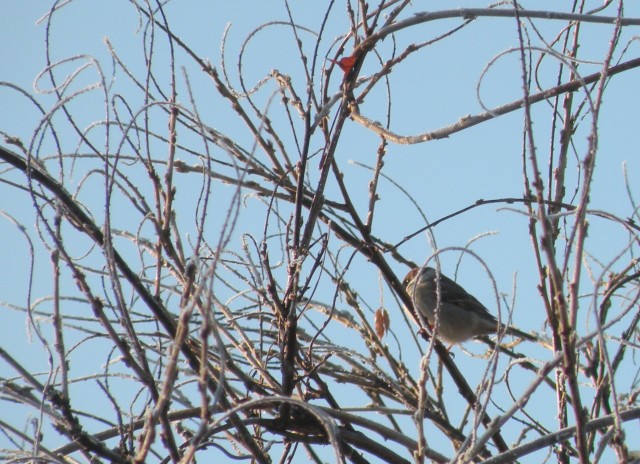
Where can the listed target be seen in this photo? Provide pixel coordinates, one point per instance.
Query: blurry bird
(453, 314)
(345, 63)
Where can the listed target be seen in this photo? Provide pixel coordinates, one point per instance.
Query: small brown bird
(454, 314)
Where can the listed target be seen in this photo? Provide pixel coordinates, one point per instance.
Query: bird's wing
(455, 294)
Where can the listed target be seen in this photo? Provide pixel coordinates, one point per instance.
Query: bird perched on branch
(453, 314)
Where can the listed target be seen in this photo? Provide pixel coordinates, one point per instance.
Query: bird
(453, 314)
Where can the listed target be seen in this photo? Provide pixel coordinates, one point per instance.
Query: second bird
(461, 315)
